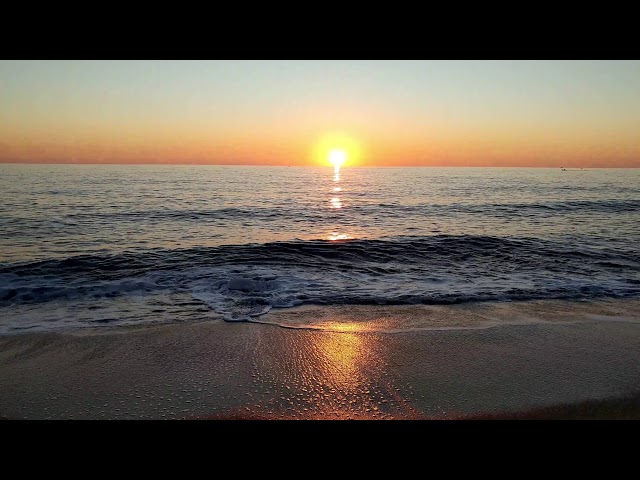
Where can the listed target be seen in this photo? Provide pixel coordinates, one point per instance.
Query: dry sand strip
(409, 362)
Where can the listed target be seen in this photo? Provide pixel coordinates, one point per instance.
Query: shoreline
(536, 359)
(614, 408)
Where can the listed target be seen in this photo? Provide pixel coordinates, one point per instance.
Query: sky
(381, 113)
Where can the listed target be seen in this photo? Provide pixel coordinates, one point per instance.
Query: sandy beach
(488, 360)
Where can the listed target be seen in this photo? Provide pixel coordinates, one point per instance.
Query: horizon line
(306, 166)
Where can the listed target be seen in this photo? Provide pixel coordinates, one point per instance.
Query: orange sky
(546, 114)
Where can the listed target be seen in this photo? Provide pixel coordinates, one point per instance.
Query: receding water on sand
(354, 366)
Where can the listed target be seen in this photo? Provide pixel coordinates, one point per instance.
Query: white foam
(245, 292)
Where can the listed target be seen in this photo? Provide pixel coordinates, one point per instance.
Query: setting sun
(337, 149)
(337, 157)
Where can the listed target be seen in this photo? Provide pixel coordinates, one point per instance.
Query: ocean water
(89, 246)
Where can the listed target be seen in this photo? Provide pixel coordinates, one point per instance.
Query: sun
(337, 157)
(336, 149)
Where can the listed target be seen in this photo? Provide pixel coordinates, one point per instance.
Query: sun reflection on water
(335, 201)
(339, 236)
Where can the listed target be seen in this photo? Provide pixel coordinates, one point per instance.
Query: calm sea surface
(120, 245)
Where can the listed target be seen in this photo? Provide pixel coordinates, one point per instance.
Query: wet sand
(493, 360)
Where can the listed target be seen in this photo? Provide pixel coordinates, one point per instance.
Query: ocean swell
(241, 282)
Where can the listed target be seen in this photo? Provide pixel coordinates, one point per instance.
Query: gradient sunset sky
(391, 113)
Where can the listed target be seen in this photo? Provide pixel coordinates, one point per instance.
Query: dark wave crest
(438, 269)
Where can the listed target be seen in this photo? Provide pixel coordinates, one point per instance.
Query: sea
(93, 246)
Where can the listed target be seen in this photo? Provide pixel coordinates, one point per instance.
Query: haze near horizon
(379, 113)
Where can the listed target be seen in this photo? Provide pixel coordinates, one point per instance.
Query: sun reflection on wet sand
(336, 372)
(341, 352)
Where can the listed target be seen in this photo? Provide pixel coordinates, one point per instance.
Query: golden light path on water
(339, 236)
(337, 158)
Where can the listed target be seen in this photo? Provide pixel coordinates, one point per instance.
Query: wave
(320, 213)
(245, 281)
(385, 254)
(513, 210)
